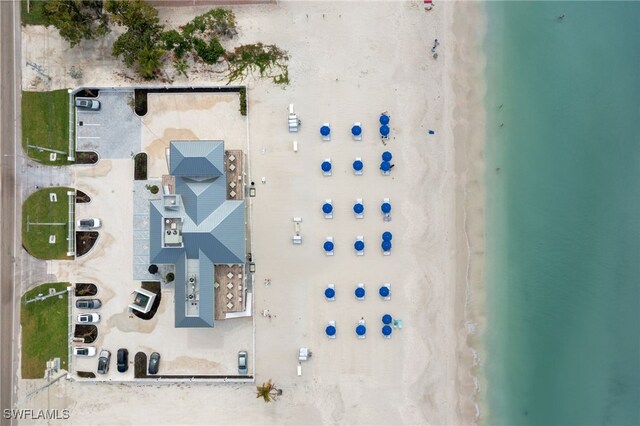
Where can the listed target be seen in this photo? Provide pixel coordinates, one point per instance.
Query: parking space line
(90, 124)
(88, 137)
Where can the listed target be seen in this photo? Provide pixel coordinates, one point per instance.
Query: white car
(92, 223)
(88, 318)
(84, 351)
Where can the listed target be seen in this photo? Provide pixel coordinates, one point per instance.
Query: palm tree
(268, 391)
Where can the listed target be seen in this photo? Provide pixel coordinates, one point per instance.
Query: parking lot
(115, 132)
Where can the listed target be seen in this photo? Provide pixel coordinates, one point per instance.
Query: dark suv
(154, 363)
(123, 360)
(88, 303)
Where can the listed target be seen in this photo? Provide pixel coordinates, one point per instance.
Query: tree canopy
(140, 45)
(77, 20)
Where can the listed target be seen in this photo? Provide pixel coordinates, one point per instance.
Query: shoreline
(466, 88)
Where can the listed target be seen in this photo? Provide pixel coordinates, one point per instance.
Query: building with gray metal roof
(196, 228)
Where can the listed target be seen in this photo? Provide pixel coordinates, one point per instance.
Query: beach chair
(356, 131)
(327, 209)
(363, 333)
(360, 291)
(331, 330)
(358, 209)
(330, 293)
(294, 122)
(359, 245)
(325, 132)
(358, 165)
(385, 207)
(328, 246)
(326, 167)
(385, 291)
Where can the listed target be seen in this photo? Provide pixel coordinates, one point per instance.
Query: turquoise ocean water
(563, 213)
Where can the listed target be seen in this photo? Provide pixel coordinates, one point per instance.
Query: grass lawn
(45, 123)
(33, 16)
(45, 328)
(39, 209)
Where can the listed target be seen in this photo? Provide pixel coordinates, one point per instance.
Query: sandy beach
(348, 63)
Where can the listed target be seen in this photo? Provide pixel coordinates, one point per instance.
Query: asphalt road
(9, 122)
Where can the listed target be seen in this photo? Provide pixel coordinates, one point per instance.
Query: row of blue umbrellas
(385, 165)
(384, 292)
(361, 329)
(356, 130)
(357, 207)
(384, 125)
(359, 245)
(358, 165)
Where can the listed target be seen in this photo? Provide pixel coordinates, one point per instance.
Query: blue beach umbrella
(386, 330)
(384, 119)
(359, 292)
(327, 208)
(326, 166)
(387, 236)
(361, 330)
(385, 207)
(386, 319)
(384, 292)
(356, 130)
(385, 166)
(325, 130)
(384, 130)
(357, 165)
(329, 293)
(359, 245)
(386, 245)
(328, 246)
(358, 208)
(386, 156)
(330, 330)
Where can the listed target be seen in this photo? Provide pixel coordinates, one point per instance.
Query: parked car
(154, 363)
(90, 104)
(123, 360)
(92, 223)
(88, 318)
(88, 303)
(242, 362)
(84, 350)
(103, 361)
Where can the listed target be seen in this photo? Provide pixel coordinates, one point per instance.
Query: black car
(88, 303)
(123, 360)
(154, 363)
(103, 361)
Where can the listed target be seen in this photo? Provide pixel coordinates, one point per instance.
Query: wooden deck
(230, 290)
(234, 167)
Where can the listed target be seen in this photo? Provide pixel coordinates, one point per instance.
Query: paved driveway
(113, 131)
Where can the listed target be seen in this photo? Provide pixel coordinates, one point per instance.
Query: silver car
(90, 104)
(242, 362)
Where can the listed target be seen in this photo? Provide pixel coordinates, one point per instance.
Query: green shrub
(208, 52)
(170, 277)
(243, 100)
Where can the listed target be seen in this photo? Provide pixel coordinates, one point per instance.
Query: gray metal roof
(201, 197)
(196, 158)
(213, 228)
(206, 303)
